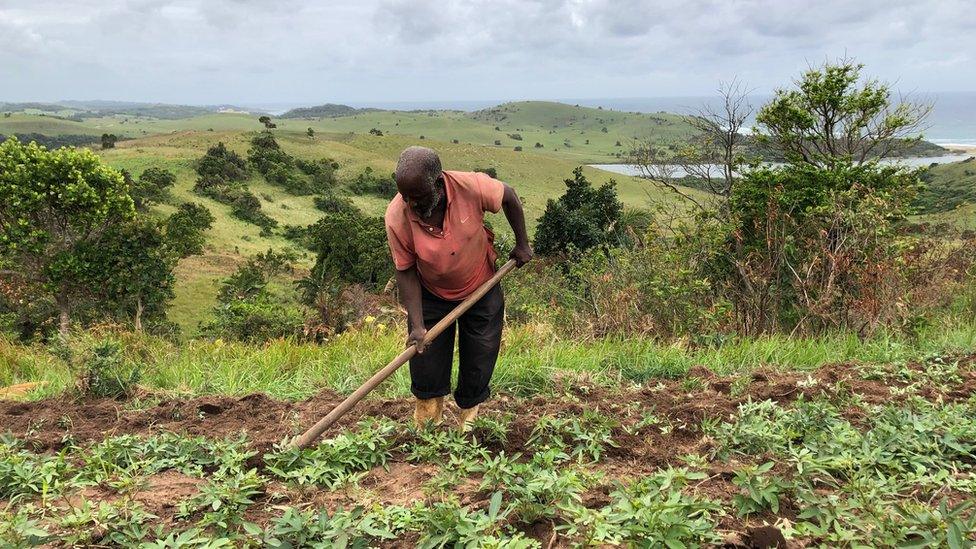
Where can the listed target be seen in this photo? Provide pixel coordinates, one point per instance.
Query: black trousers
(479, 334)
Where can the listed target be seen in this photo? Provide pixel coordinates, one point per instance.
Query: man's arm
(408, 284)
(522, 252)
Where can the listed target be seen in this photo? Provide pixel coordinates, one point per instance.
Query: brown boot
(428, 409)
(466, 418)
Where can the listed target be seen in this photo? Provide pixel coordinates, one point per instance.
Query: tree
(351, 247)
(55, 204)
(152, 187)
(310, 133)
(582, 218)
(833, 115)
(108, 140)
(711, 158)
(221, 162)
(185, 229)
(266, 120)
(130, 269)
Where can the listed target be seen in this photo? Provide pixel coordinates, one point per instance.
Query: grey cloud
(210, 51)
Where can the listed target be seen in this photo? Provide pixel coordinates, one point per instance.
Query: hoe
(313, 433)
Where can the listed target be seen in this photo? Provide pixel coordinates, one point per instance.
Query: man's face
(422, 198)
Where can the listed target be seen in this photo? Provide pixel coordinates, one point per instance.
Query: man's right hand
(416, 337)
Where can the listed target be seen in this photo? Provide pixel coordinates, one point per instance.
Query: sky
(285, 51)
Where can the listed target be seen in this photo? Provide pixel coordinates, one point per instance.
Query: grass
(948, 186)
(531, 360)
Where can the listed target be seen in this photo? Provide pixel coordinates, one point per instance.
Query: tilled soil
(46, 424)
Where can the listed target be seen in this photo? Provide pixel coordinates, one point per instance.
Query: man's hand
(522, 254)
(416, 337)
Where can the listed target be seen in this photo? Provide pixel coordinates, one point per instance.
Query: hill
(579, 134)
(329, 110)
(948, 186)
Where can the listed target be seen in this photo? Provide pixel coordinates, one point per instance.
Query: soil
(45, 424)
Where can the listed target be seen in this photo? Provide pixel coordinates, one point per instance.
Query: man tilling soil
(443, 252)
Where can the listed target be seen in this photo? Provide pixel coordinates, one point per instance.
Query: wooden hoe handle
(313, 433)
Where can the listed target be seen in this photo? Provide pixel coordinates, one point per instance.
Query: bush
(581, 219)
(248, 310)
(332, 203)
(152, 187)
(296, 176)
(490, 172)
(255, 320)
(106, 374)
(223, 163)
(368, 182)
(352, 247)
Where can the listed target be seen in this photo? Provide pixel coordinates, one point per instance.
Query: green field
(564, 131)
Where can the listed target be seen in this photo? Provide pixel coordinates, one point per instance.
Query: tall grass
(532, 360)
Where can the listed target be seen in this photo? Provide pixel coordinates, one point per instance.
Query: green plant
(106, 374)
(649, 513)
(760, 492)
(337, 461)
(581, 219)
(223, 500)
(120, 523)
(583, 436)
(25, 474)
(18, 529)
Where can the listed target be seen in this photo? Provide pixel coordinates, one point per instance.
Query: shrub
(332, 203)
(106, 374)
(248, 310)
(352, 247)
(222, 163)
(581, 219)
(254, 320)
(152, 186)
(367, 182)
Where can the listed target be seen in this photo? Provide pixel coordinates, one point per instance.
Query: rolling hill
(580, 134)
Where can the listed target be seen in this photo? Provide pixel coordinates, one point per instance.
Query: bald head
(417, 167)
(418, 178)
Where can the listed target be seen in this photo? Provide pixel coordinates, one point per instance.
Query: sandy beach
(966, 149)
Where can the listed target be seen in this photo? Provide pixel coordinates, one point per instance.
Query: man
(442, 253)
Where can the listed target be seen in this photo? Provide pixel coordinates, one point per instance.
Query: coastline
(959, 148)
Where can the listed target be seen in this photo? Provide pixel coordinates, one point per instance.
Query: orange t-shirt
(454, 260)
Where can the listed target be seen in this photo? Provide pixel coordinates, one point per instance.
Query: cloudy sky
(264, 51)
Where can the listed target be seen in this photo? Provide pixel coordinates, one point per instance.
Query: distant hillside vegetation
(948, 186)
(54, 141)
(329, 110)
(17, 107)
(920, 149)
(80, 110)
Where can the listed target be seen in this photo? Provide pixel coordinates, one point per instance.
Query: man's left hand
(522, 254)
